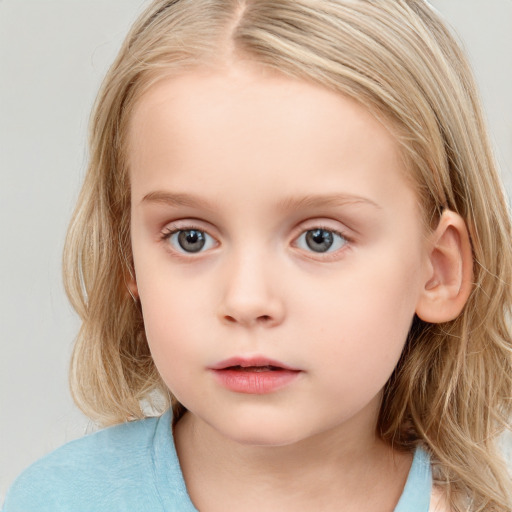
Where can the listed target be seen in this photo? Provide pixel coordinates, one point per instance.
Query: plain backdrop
(53, 55)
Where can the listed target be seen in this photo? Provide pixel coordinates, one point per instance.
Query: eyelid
(186, 224)
(335, 226)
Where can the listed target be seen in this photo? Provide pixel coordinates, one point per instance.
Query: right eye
(190, 240)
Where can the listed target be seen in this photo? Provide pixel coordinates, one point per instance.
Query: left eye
(190, 240)
(320, 240)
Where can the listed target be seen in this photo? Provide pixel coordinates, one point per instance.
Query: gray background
(53, 54)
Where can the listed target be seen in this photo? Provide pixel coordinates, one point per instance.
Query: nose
(251, 293)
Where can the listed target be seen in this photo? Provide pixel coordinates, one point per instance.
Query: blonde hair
(451, 389)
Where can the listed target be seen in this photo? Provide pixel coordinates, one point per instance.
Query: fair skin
(271, 219)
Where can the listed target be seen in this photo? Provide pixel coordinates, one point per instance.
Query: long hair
(451, 391)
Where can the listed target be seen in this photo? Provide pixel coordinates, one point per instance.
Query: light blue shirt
(134, 467)
(418, 487)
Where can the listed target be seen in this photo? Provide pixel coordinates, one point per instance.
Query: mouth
(254, 364)
(266, 368)
(255, 376)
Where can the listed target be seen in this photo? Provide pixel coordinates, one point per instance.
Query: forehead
(247, 123)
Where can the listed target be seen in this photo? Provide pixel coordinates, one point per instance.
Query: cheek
(175, 328)
(362, 324)
(164, 332)
(169, 318)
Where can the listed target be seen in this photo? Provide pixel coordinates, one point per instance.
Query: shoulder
(97, 470)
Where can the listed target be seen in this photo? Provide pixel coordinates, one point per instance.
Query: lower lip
(255, 382)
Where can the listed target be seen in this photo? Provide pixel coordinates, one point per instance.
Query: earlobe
(450, 277)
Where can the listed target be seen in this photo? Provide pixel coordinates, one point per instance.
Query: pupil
(319, 240)
(191, 240)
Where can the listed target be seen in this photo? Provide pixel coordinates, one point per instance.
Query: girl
(291, 231)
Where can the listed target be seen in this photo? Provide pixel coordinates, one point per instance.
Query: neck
(351, 467)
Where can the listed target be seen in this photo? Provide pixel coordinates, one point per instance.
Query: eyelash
(169, 232)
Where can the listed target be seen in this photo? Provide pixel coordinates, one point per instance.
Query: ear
(449, 279)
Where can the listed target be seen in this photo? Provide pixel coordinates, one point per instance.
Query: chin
(257, 431)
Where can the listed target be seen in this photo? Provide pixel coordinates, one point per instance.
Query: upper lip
(249, 362)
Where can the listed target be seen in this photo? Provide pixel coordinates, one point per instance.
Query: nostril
(264, 319)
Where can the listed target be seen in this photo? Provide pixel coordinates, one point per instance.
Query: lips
(255, 375)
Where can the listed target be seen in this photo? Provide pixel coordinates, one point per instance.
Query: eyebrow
(286, 204)
(177, 199)
(323, 200)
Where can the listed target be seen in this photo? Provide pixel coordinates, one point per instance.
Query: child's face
(272, 224)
